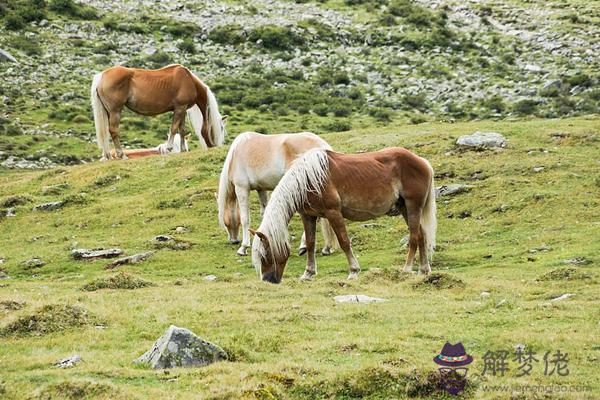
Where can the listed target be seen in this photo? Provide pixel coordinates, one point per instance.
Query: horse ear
(224, 119)
(261, 235)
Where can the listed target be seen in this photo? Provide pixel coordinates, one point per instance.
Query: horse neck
(275, 222)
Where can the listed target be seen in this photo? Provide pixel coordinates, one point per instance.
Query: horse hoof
(326, 251)
(236, 241)
(301, 251)
(242, 251)
(353, 275)
(104, 158)
(307, 276)
(424, 271)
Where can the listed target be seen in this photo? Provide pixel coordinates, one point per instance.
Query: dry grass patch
(48, 319)
(439, 280)
(565, 274)
(121, 280)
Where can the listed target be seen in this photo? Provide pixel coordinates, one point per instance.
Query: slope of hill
(525, 233)
(287, 66)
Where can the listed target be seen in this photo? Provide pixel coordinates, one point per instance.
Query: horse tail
(217, 131)
(329, 234)
(100, 117)
(226, 198)
(428, 217)
(195, 117)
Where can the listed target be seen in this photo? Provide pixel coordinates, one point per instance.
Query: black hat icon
(453, 355)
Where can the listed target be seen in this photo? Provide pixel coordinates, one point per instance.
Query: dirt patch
(564, 274)
(387, 274)
(439, 280)
(47, 319)
(120, 280)
(11, 305)
(13, 201)
(78, 390)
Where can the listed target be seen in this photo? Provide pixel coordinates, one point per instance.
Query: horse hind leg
(176, 125)
(415, 236)
(243, 195)
(329, 236)
(114, 119)
(263, 198)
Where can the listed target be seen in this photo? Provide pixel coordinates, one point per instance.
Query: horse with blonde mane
(161, 149)
(358, 187)
(257, 162)
(152, 92)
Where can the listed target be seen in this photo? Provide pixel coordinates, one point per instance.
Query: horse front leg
(338, 225)
(243, 195)
(310, 232)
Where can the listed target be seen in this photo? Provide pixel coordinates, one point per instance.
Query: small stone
(53, 205)
(451, 189)
(134, 259)
(577, 261)
(357, 298)
(181, 229)
(501, 303)
(482, 140)
(163, 238)
(519, 347)
(210, 278)
(563, 297)
(179, 347)
(68, 362)
(6, 56)
(34, 263)
(84, 254)
(485, 294)
(538, 169)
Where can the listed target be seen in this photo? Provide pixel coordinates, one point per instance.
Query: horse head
(269, 265)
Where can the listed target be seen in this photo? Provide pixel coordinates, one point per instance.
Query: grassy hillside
(514, 226)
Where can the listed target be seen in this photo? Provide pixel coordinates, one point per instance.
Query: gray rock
(179, 347)
(210, 278)
(357, 298)
(68, 362)
(53, 205)
(563, 297)
(134, 259)
(84, 254)
(451, 189)
(485, 294)
(577, 261)
(34, 263)
(6, 56)
(482, 140)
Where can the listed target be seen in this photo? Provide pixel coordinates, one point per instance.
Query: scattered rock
(84, 254)
(372, 226)
(537, 169)
(34, 263)
(11, 305)
(501, 208)
(357, 298)
(48, 319)
(501, 303)
(577, 261)
(182, 229)
(439, 280)
(13, 201)
(169, 242)
(134, 259)
(53, 205)
(451, 189)
(564, 274)
(210, 278)
(179, 347)
(482, 140)
(68, 362)
(519, 347)
(485, 294)
(6, 56)
(120, 280)
(563, 297)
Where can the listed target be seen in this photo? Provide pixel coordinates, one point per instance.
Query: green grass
(292, 340)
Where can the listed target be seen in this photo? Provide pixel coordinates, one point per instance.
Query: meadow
(518, 238)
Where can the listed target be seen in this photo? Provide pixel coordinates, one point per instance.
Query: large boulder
(482, 140)
(179, 347)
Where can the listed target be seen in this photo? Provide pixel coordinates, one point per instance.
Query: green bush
(158, 59)
(14, 22)
(28, 46)
(188, 46)
(495, 103)
(232, 34)
(580, 79)
(72, 9)
(525, 107)
(415, 101)
(338, 126)
(275, 37)
(380, 114)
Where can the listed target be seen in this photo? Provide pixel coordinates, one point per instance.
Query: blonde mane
(306, 175)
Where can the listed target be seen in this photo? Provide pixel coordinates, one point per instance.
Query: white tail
(195, 117)
(226, 199)
(100, 118)
(429, 219)
(329, 234)
(217, 130)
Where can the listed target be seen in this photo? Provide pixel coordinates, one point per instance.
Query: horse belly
(364, 206)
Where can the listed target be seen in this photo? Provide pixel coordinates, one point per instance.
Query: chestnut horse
(152, 92)
(160, 149)
(358, 187)
(257, 162)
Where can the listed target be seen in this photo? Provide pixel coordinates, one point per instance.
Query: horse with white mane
(160, 149)
(358, 187)
(152, 92)
(257, 162)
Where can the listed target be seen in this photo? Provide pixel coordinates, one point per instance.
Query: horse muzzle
(271, 277)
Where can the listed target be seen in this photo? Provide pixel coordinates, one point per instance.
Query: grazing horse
(160, 149)
(257, 162)
(152, 92)
(358, 187)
